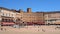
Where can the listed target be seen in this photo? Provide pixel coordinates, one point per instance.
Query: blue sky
(36, 5)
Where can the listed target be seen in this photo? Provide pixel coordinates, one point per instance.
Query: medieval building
(10, 17)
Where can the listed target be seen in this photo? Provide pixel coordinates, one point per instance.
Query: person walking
(1, 28)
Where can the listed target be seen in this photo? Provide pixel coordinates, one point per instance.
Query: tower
(29, 10)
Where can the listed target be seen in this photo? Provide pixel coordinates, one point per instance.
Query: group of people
(3, 29)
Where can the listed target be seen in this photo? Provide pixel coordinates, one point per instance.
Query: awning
(7, 23)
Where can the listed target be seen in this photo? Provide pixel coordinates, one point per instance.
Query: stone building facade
(52, 17)
(6, 16)
(29, 17)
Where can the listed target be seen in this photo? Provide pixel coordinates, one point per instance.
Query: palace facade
(10, 17)
(52, 17)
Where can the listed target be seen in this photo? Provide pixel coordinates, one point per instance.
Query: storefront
(7, 21)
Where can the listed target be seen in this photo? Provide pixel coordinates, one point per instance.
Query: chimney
(20, 11)
(13, 10)
(28, 10)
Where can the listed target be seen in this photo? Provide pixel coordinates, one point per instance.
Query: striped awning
(7, 23)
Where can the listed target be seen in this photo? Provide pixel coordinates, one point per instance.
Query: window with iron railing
(2, 14)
